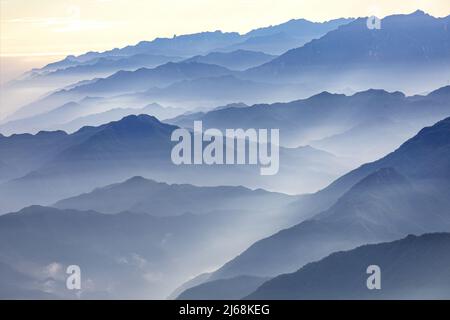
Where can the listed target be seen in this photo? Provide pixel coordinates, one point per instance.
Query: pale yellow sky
(60, 27)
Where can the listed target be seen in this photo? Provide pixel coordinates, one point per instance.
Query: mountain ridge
(411, 268)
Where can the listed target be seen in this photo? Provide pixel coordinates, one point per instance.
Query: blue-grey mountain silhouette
(415, 267)
(235, 60)
(406, 48)
(161, 199)
(224, 289)
(405, 192)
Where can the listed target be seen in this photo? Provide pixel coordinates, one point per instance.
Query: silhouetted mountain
(141, 79)
(161, 199)
(122, 82)
(235, 60)
(355, 56)
(305, 121)
(95, 68)
(211, 91)
(442, 94)
(26, 152)
(231, 105)
(119, 157)
(141, 145)
(96, 119)
(132, 142)
(125, 255)
(411, 268)
(142, 55)
(140, 135)
(300, 28)
(297, 31)
(75, 115)
(202, 278)
(224, 289)
(280, 38)
(367, 138)
(112, 65)
(44, 120)
(68, 61)
(183, 45)
(371, 204)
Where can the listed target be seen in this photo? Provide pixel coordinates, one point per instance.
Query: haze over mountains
(235, 60)
(358, 57)
(406, 48)
(351, 121)
(63, 166)
(415, 267)
(384, 202)
(280, 38)
(137, 145)
(412, 268)
(143, 254)
(140, 195)
(405, 192)
(364, 160)
(148, 53)
(95, 68)
(299, 30)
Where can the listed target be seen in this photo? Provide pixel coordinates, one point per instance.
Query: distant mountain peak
(418, 262)
(44, 133)
(416, 14)
(134, 121)
(138, 181)
(142, 117)
(325, 95)
(432, 136)
(380, 93)
(419, 13)
(441, 91)
(383, 177)
(385, 181)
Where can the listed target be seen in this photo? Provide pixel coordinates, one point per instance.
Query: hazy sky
(36, 32)
(55, 27)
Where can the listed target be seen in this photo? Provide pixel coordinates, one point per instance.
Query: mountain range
(415, 267)
(297, 32)
(95, 68)
(72, 116)
(405, 192)
(386, 119)
(122, 82)
(292, 34)
(138, 145)
(161, 199)
(234, 289)
(272, 40)
(414, 44)
(87, 176)
(359, 58)
(128, 254)
(234, 60)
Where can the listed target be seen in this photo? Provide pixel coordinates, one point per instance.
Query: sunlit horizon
(35, 33)
(73, 27)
